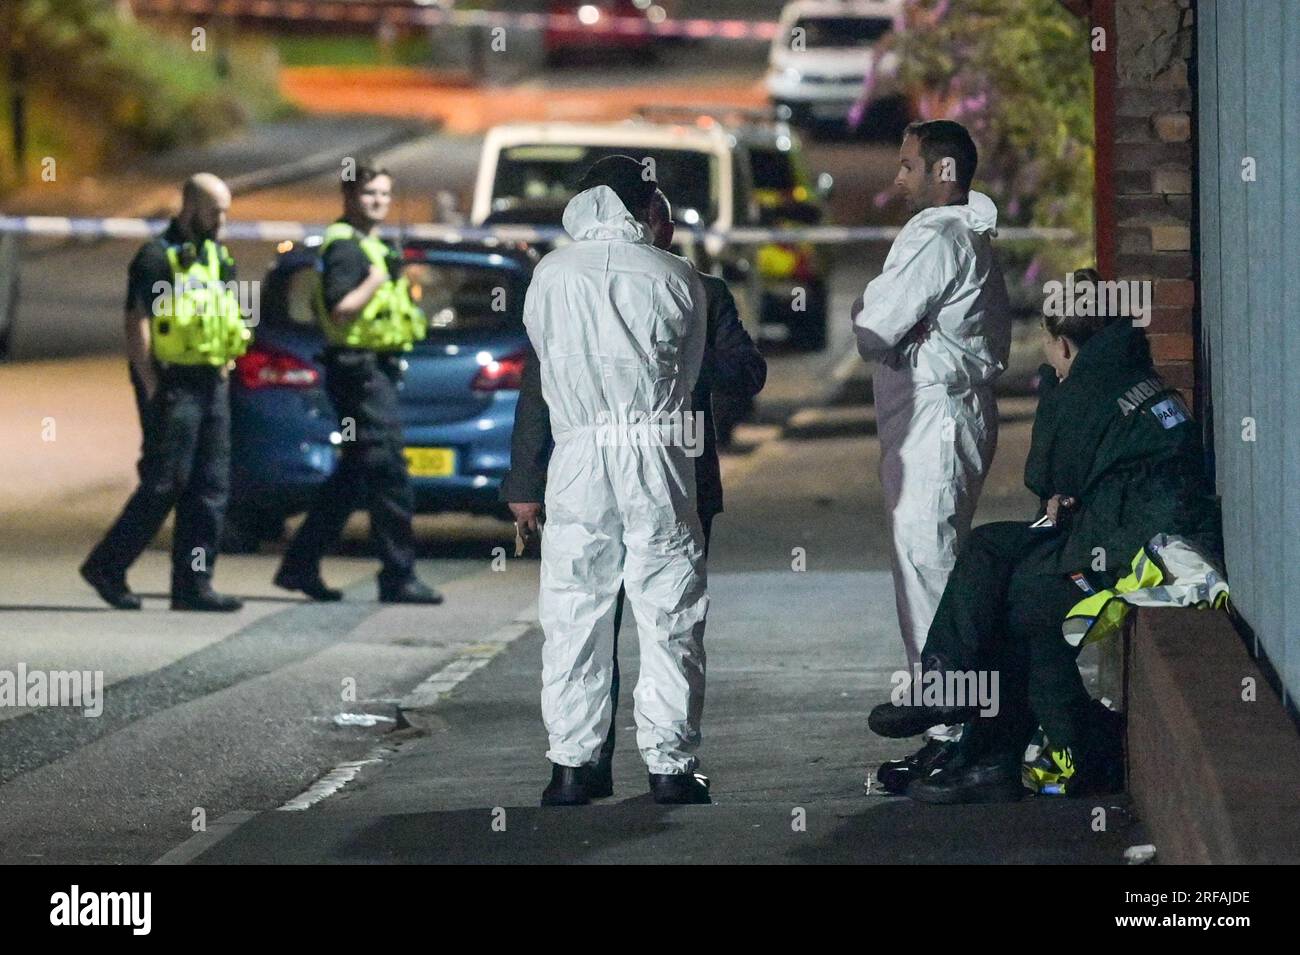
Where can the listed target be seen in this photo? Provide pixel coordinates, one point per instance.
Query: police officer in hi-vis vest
(184, 329)
(370, 321)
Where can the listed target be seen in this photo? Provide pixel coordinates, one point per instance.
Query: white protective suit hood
(598, 213)
(619, 328)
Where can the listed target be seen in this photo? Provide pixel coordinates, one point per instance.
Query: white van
(529, 171)
(821, 55)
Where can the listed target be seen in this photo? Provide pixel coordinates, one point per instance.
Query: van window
(839, 32)
(534, 182)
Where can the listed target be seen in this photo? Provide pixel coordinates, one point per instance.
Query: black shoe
(899, 721)
(980, 782)
(568, 786)
(895, 775)
(410, 591)
(111, 587)
(308, 583)
(680, 788)
(206, 600)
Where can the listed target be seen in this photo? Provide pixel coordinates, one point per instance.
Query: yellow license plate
(431, 462)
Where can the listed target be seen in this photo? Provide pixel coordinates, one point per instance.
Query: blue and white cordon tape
(276, 231)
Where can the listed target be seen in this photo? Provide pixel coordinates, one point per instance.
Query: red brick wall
(1153, 170)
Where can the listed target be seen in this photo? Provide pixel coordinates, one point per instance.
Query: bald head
(205, 200)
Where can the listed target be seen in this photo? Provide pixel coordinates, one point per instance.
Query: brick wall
(1153, 169)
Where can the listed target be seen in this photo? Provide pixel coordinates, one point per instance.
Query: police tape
(276, 231)
(589, 18)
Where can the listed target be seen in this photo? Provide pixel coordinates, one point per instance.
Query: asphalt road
(209, 716)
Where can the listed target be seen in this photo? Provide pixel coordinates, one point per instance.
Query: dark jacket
(731, 363)
(1121, 442)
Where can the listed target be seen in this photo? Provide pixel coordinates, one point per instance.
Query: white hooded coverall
(619, 330)
(936, 415)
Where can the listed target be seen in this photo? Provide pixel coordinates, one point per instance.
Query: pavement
(797, 650)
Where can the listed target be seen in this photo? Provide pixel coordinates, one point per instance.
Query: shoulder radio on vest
(200, 322)
(391, 321)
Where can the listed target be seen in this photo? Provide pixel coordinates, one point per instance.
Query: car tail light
(501, 374)
(267, 367)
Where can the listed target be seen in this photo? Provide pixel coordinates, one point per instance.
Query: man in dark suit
(732, 363)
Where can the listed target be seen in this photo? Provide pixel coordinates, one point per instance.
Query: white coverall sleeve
(904, 293)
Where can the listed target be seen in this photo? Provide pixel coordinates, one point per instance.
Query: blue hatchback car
(458, 396)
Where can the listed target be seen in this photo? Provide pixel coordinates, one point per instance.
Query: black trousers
(371, 472)
(1000, 613)
(184, 464)
(607, 748)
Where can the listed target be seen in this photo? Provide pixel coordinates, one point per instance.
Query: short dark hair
(1079, 328)
(944, 137)
(630, 180)
(364, 174)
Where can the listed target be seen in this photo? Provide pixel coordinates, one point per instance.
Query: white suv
(822, 53)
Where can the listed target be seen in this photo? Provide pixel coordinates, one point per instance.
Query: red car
(600, 26)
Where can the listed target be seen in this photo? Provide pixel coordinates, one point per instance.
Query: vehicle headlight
(786, 74)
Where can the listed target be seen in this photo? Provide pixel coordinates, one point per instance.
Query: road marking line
(201, 842)
(334, 780)
(427, 694)
(470, 660)
(846, 366)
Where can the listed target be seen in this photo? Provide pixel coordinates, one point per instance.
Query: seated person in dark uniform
(732, 364)
(1115, 459)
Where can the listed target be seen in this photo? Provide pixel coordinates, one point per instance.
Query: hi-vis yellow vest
(1169, 571)
(198, 322)
(390, 321)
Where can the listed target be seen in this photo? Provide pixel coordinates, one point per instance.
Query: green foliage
(142, 88)
(1018, 74)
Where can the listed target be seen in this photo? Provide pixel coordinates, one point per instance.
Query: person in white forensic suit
(619, 328)
(937, 322)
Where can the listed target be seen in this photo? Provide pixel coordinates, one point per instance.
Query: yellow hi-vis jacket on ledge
(391, 321)
(1169, 571)
(199, 322)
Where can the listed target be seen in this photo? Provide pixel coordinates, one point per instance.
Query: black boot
(568, 786)
(204, 599)
(982, 781)
(410, 591)
(308, 583)
(680, 788)
(111, 587)
(895, 775)
(899, 721)
(601, 784)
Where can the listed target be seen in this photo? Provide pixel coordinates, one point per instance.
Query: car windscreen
(838, 31)
(771, 169)
(545, 176)
(459, 299)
